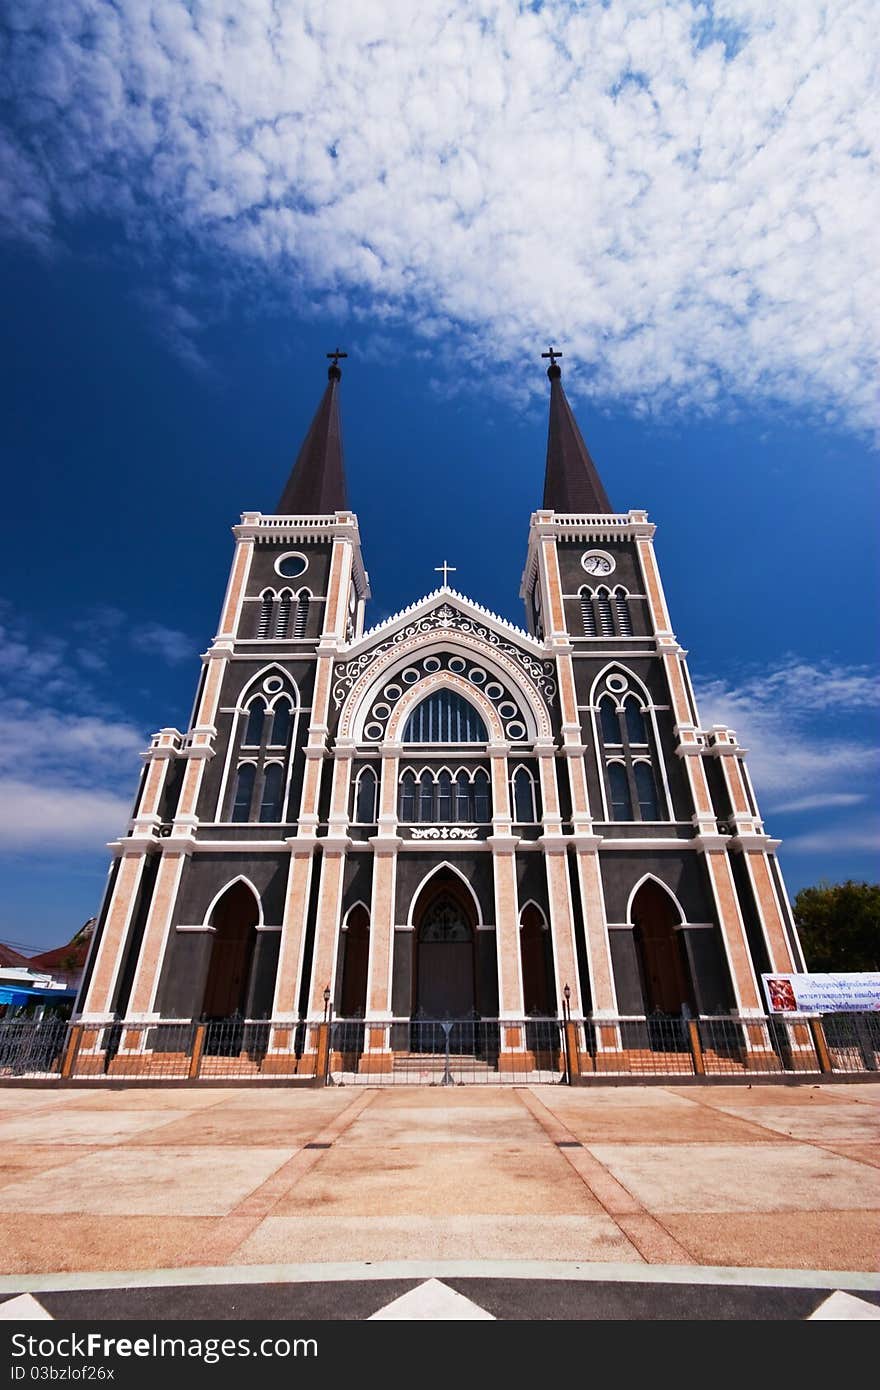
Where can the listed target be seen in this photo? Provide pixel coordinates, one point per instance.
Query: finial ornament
(445, 570)
(333, 371)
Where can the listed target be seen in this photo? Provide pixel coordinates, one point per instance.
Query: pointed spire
(571, 482)
(316, 486)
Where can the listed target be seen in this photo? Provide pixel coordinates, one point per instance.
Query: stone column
(377, 1055)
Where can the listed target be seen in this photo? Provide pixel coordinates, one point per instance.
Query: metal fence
(453, 1052)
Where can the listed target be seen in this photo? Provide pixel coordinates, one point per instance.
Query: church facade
(444, 816)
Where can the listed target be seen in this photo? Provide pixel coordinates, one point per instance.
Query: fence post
(572, 1051)
(322, 1055)
(696, 1047)
(195, 1060)
(74, 1041)
(820, 1043)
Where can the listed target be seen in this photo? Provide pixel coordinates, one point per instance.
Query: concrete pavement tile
(776, 1240)
(79, 1126)
(439, 1125)
(19, 1160)
(740, 1177)
(221, 1125)
(861, 1153)
(823, 1123)
(138, 1097)
(283, 1239)
(577, 1098)
(759, 1095)
(147, 1181)
(635, 1124)
(446, 1179)
(58, 1243)
(438, 1097)
(653, 1241)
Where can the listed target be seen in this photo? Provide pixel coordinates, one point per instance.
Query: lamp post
(328, 1016)
(566, 1020)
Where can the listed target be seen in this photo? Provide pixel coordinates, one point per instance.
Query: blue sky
(198, 205)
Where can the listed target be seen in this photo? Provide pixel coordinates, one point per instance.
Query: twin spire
(317, 486)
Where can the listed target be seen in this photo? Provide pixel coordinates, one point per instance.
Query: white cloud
(848, 839)
(804, 724)
(165, 642)
(58, 818)
(684, 194)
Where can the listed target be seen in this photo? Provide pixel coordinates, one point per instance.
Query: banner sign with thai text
(856, 992)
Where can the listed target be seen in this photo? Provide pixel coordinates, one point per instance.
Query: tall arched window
(253, 733)
(282, 617)
(264, 626)
(445, 717)
(606, 621)
(281, 715)
(524, 810)
(406, 802)
(627, 741)
(302, 614)
(365, 797)
(621, 608)
(588, 617)
(482, 799)
(273, 793)
(244, 791)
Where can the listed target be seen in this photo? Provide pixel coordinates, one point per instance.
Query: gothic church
(443, 816)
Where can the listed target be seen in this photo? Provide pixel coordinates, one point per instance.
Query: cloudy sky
(198, 200)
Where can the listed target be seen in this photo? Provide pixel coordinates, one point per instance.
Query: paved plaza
(140, 1179)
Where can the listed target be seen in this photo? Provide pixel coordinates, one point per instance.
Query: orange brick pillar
(377, 1055)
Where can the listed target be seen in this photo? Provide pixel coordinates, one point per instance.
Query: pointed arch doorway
(234, 921)
(445, 975)
(666, 978)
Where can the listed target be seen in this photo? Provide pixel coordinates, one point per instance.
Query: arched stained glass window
(445, 717)
(280, 724)
(365, 797)
(426, 796)
(463, 797)
(621, 805)
(244, 790)
(444, 796)
(254, 729)
(273, 790)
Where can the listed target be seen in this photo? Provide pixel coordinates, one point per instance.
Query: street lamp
(328, 1015)
(566, 1020)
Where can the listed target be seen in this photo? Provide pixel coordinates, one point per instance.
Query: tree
(839, 925)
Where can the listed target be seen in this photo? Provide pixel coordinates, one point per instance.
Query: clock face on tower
(597, 562)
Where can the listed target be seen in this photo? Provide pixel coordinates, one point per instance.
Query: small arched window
(646, 789)
(426, 796)
(523, 797)
(588, 617)
(445, 717)
(621, 804)
(464, 809)
(606, 621)
(273, 791)
(635, 722)
(253, 732)
(365, 797)
(406, 803)
(280, 723)
(302, 614)
(244, 791)
(282, 617)
(444, 796)
(482, 800)
(621, 608)
(264, 626)
(609, 721)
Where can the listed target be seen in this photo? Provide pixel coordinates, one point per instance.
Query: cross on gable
(445, 570)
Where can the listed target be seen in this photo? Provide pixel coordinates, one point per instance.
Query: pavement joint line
(614, 1272)
(647, 1235)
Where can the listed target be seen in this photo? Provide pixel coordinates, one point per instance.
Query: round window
(508, 710)
(477, 675)
(410, 676)
(373, 731)
(617, 683)
(291, 565)
(456, 663)
(392, 692)
(515, 731)
(272, 684)
(381, 711)
(432, 663)
(494, 690)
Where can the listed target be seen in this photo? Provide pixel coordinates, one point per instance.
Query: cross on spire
(336, 355)
(552, 354)
(445, 570)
